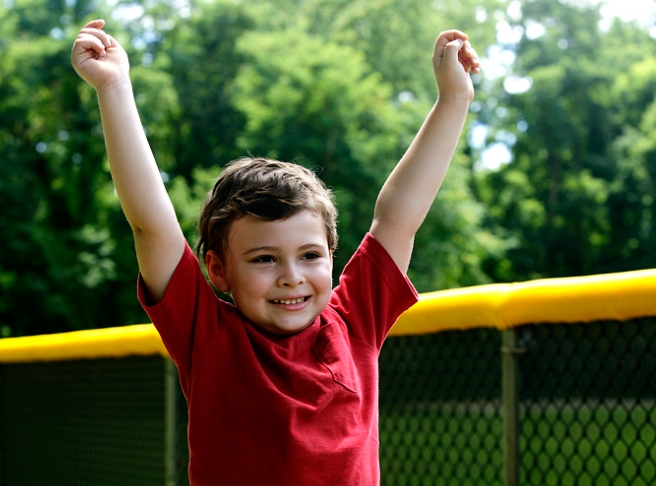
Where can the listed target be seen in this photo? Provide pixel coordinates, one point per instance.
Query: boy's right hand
(453, 60)
(97, 57)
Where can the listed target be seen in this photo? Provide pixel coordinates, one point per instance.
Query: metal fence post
(510, 408)
(170, 417)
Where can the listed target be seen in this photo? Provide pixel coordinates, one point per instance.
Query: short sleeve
(189, 299)
(372, 293)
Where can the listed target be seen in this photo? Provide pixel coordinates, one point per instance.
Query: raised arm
(409, 191)
(101, 61)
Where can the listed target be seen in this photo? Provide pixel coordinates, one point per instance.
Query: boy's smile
(278, 272)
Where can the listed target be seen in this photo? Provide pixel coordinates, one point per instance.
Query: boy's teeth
(289, 301)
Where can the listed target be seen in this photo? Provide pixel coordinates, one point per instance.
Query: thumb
(452, 48)
(95, 24)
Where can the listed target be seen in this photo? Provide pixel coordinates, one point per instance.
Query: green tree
(68, 262)
(557, 201)
(199, 54)
(632, 203)
(338, 85)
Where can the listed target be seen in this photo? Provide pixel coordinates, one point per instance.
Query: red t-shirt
(283, 410)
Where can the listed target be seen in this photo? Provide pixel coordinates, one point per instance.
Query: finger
(89, 42)
(449, 36)
(95, 24)
(95, 27)
(452, 50)
(471, 53)
(466, 50)
(454, 34)
(112, 42)
(105, 38)
(469, 58)
(443, 39)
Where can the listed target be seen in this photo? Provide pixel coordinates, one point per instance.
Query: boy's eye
(311, 256)
(263, 259)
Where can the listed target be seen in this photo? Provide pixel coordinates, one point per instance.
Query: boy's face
(278, 272)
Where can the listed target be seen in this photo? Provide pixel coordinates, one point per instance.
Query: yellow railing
(615, 296)
(618, 296)
(115, 342)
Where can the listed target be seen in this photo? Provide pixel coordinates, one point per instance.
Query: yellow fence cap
(114, 342)
(616, 296)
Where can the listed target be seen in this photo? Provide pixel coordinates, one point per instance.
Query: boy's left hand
(453, 59)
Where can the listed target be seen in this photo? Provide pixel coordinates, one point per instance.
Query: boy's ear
(216, 271)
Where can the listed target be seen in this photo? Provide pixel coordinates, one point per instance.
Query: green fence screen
(585, 412)
(585, 400)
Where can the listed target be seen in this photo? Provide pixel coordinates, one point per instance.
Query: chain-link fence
(440, 409)
(547, 404)
(585, 402)
(91, 422)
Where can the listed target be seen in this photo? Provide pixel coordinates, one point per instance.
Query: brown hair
(263, 188)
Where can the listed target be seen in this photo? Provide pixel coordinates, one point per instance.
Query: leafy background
(566, 100)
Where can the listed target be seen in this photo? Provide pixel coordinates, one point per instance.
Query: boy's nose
(290, 276)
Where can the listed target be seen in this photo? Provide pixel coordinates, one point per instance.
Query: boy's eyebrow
(258, 249)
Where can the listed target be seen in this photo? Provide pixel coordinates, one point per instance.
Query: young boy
(282, 386)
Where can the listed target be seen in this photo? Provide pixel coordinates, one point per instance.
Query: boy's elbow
(394, 229)
(404, 219)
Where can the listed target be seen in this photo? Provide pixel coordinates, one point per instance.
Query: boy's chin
(278, 330)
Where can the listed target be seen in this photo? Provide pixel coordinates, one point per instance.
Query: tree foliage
(340, 86)
(563, 203)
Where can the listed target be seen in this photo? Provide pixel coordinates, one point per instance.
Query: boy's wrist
(117, 86)
(461, 101)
